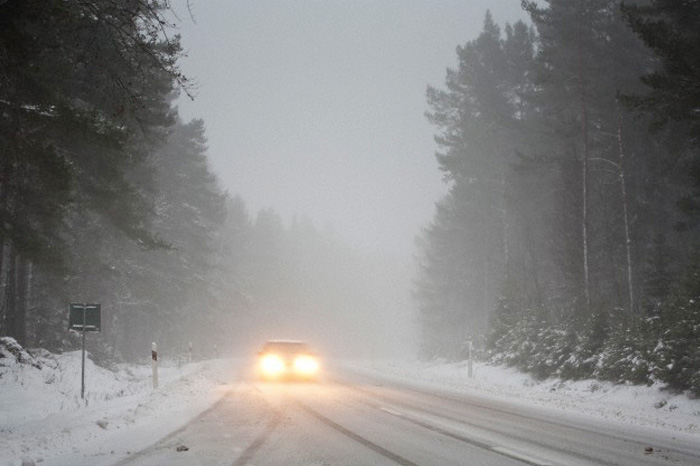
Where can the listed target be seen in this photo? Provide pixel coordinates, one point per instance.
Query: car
(287, 360)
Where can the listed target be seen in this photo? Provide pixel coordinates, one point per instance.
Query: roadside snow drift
(44, 420)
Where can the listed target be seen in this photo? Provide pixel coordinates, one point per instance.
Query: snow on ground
(44, 422)
(647, 407)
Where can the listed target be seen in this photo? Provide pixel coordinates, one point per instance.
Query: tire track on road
(398, 459)
(259, 441)
(365, 394)
(142, 453)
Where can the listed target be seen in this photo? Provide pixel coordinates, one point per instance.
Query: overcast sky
(316, 107)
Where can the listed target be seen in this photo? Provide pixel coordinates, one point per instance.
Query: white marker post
(470, 366)
(154, 363)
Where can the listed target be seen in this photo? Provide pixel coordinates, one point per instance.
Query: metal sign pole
(82, 384)
(78, 317)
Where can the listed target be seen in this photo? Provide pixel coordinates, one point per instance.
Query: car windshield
(290, 347)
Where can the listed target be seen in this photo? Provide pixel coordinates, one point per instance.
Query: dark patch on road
(358, 438)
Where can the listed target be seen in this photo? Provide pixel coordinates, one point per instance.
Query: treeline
(106, 196)
(567, 244)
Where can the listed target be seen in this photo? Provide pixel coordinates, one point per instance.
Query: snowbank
(635, 405)
(43, 420)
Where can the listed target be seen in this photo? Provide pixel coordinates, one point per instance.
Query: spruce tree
(466, 249)
(83, 99)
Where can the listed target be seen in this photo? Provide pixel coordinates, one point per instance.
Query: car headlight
(271, 365)
(306, 365)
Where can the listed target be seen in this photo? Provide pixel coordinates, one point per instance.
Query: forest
(107, 196)
(568, 245)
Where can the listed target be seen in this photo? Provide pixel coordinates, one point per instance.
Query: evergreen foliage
(672, 99)
(465, 252)
(670, 29)
(678, 348)
(562, 244)
(592, 132)
(628, 354)
(83, 100)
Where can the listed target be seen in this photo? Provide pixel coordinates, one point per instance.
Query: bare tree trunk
(504, 213)
(532, 269)
(11, 317)
(625, 218)
(3, 290)
(15, 303)
(22, 281)
(584, 181)
(4, 176)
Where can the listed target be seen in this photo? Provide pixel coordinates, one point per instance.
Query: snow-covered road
(356, 418)
(363, 413)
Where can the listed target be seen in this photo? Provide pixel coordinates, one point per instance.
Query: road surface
(353, 419)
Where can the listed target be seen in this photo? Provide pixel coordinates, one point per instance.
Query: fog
(317, 108)
(450, 193)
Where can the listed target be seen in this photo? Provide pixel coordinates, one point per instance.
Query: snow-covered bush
(628, 355)
(678, 350)
(12, 351)
(551, 349)
(584, 343)
(662, 346)
(533, 345)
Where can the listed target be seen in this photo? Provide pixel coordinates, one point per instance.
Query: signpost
(85, 318)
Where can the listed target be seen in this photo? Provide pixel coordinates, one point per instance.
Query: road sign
(85, 317)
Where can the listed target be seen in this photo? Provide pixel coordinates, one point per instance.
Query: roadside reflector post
(154, 363)
(82, 369)
(470, 364)
(189, 353)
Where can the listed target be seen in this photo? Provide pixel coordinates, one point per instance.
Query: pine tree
(83, 97)
(446, 289)
(466, 250)
(627, 354)
(152, 292)
(672, 96)
(678, 351)
(587, 57)
(658, 283)
(670, 29)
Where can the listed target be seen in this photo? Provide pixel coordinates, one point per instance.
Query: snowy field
(43, 421)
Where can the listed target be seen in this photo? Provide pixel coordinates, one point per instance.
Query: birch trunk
(625, 217)
(584, 180)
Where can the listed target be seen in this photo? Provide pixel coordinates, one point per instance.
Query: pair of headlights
(273, 365)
